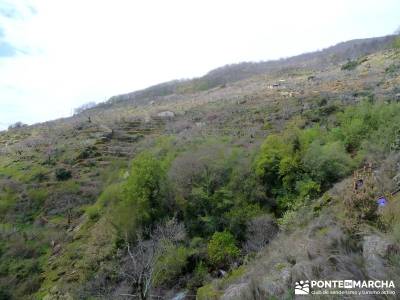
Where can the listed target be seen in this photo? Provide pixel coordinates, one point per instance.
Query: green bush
(352, 64)
(355, 124)
(300, 163)
(396, 43)
(360, 205)
(88, 152)
(327, 163)
(170, 265)
(208, 292)
(93, 212)
(393, 69)
(111, 195)
(308, 189)
(8, 200)
(211, 184)
(238, 217)
(63, 174)
(272, 151)
(143, 200)
(222, 249)
(38, 197)
(199, 276)
(5, 293)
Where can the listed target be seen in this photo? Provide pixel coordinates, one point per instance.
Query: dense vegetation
(127, 211)
(216, 189)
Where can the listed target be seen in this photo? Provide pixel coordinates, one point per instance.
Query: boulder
(375, 250)
(238, 292)
(375, 245)
(166, 114)
(277, 282)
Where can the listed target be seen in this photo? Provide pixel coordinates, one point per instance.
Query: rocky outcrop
(238, 292)
(276, 282)
(166, 114)
(375, 250)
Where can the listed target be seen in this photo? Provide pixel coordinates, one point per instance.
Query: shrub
(208, 292)
(267, 163)
(88, 152)
(93, 212)
(5, 294)
(199, 276)
(222, 249)
(287, 219)
(63, 174)
(352, 64)
(170, 265)
(38, 196)
(390, 217)
(40, 177)
(393, 69)
(238, 217)
(326, 163)
(307, 189)
(360, 204)
(260, 231)
(396, 43)
(31, 285)
(112, 194)
(8, 200)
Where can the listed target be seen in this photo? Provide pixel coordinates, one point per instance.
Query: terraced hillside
(161, 192)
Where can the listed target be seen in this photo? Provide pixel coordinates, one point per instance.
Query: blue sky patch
(7, 50)
(8, 11)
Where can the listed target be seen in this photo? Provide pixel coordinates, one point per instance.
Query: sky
(58, 54)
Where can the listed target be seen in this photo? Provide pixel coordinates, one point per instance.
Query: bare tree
(140, 263)
(84, 107)
(17, 125)
(260, 231)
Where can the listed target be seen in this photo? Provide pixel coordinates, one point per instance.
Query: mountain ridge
(230, 73)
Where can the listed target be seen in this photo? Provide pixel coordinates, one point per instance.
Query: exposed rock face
(277, 282)
(166, 114)
(375, 250)
(375, 245)
(180, 296)
(238, 292)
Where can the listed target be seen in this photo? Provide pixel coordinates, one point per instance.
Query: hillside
(318, 60)
(234, 185)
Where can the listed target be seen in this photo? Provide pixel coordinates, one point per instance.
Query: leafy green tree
(267, 164)
(170, 265)
(237, 218)
(327, 163)
(144, 194)
(307, 189)
(356, 123)
(222, 249)
(290, 169)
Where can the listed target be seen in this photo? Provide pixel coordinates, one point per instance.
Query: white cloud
(78, 51)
